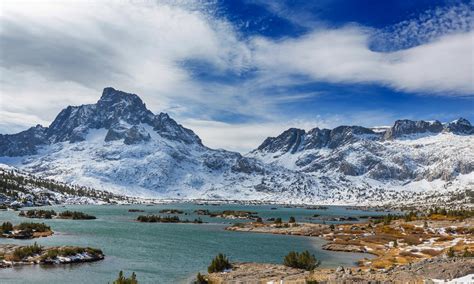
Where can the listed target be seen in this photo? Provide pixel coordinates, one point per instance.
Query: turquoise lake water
(165, 253)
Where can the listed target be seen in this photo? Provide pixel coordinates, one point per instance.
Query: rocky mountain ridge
(119, 145)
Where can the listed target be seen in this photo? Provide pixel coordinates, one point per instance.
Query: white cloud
(56, 53)
(343, 55)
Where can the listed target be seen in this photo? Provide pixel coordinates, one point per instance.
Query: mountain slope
(119, 145)
(19, 188)
(410, 157)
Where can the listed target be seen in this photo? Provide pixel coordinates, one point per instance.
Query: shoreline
(397, 247)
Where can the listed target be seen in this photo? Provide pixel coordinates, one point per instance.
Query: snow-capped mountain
(423, 157)
(119, 145)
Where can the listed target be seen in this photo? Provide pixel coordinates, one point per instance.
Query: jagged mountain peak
(116, 98)
(123, 115)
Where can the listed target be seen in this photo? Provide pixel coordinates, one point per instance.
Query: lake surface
(166, 253)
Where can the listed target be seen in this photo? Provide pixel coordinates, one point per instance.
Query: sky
(238, 71)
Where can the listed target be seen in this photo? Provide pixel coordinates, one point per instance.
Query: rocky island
(25, 230)
(50, 214)
(165, 219)
(14, 255)
(229, 214)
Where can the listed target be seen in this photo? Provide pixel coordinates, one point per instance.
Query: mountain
(118, 145)
(425, 157)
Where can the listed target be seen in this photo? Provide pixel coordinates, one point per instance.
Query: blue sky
(238, 71)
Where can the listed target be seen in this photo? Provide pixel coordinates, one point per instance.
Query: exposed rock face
(23, 143)
(288, 141)
(406, 127)
(460, 126)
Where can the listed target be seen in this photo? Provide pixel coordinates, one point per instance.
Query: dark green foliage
(35, 227)
(303, 260)
(126, 280)
(158, 219)
(200, 279)
(332, 227)
(70, 251)
(219, 264)
(45, 214)
(292, 220)
(278, 221)
(75, 215)
(6, 227)
(171, 211)
(166, 219)
(457, 213)
(259, 220)
(12, 183)
(26, 251)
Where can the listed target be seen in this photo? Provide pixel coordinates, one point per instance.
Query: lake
(166, 253)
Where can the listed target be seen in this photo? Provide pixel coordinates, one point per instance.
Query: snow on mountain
(119, 145)
(410, 158)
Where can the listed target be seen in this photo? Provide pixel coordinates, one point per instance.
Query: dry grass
(431, 252)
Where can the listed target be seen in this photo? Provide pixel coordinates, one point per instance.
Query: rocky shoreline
(407, 248)
(426, 271)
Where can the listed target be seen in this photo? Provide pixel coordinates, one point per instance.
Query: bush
(26, 251)
(75, 215)
(7, 227)
(292, 220)
(303, 260)
(36, 227)
(219, 264)
(200, 279)
(126, 280)
(46, 214)
(278, 221)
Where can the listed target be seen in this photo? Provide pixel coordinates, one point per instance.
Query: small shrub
(200, 279)
(126, 280)
(219, 264)
(303, 260)
(7, 227)
(26, 251)
(35, 227)
(292, 220)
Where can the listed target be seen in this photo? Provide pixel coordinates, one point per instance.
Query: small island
(50, 214)
(25, 230)
(171, 211)
(135, 210)
(165, 219)
(13, 255)
(229, 214)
